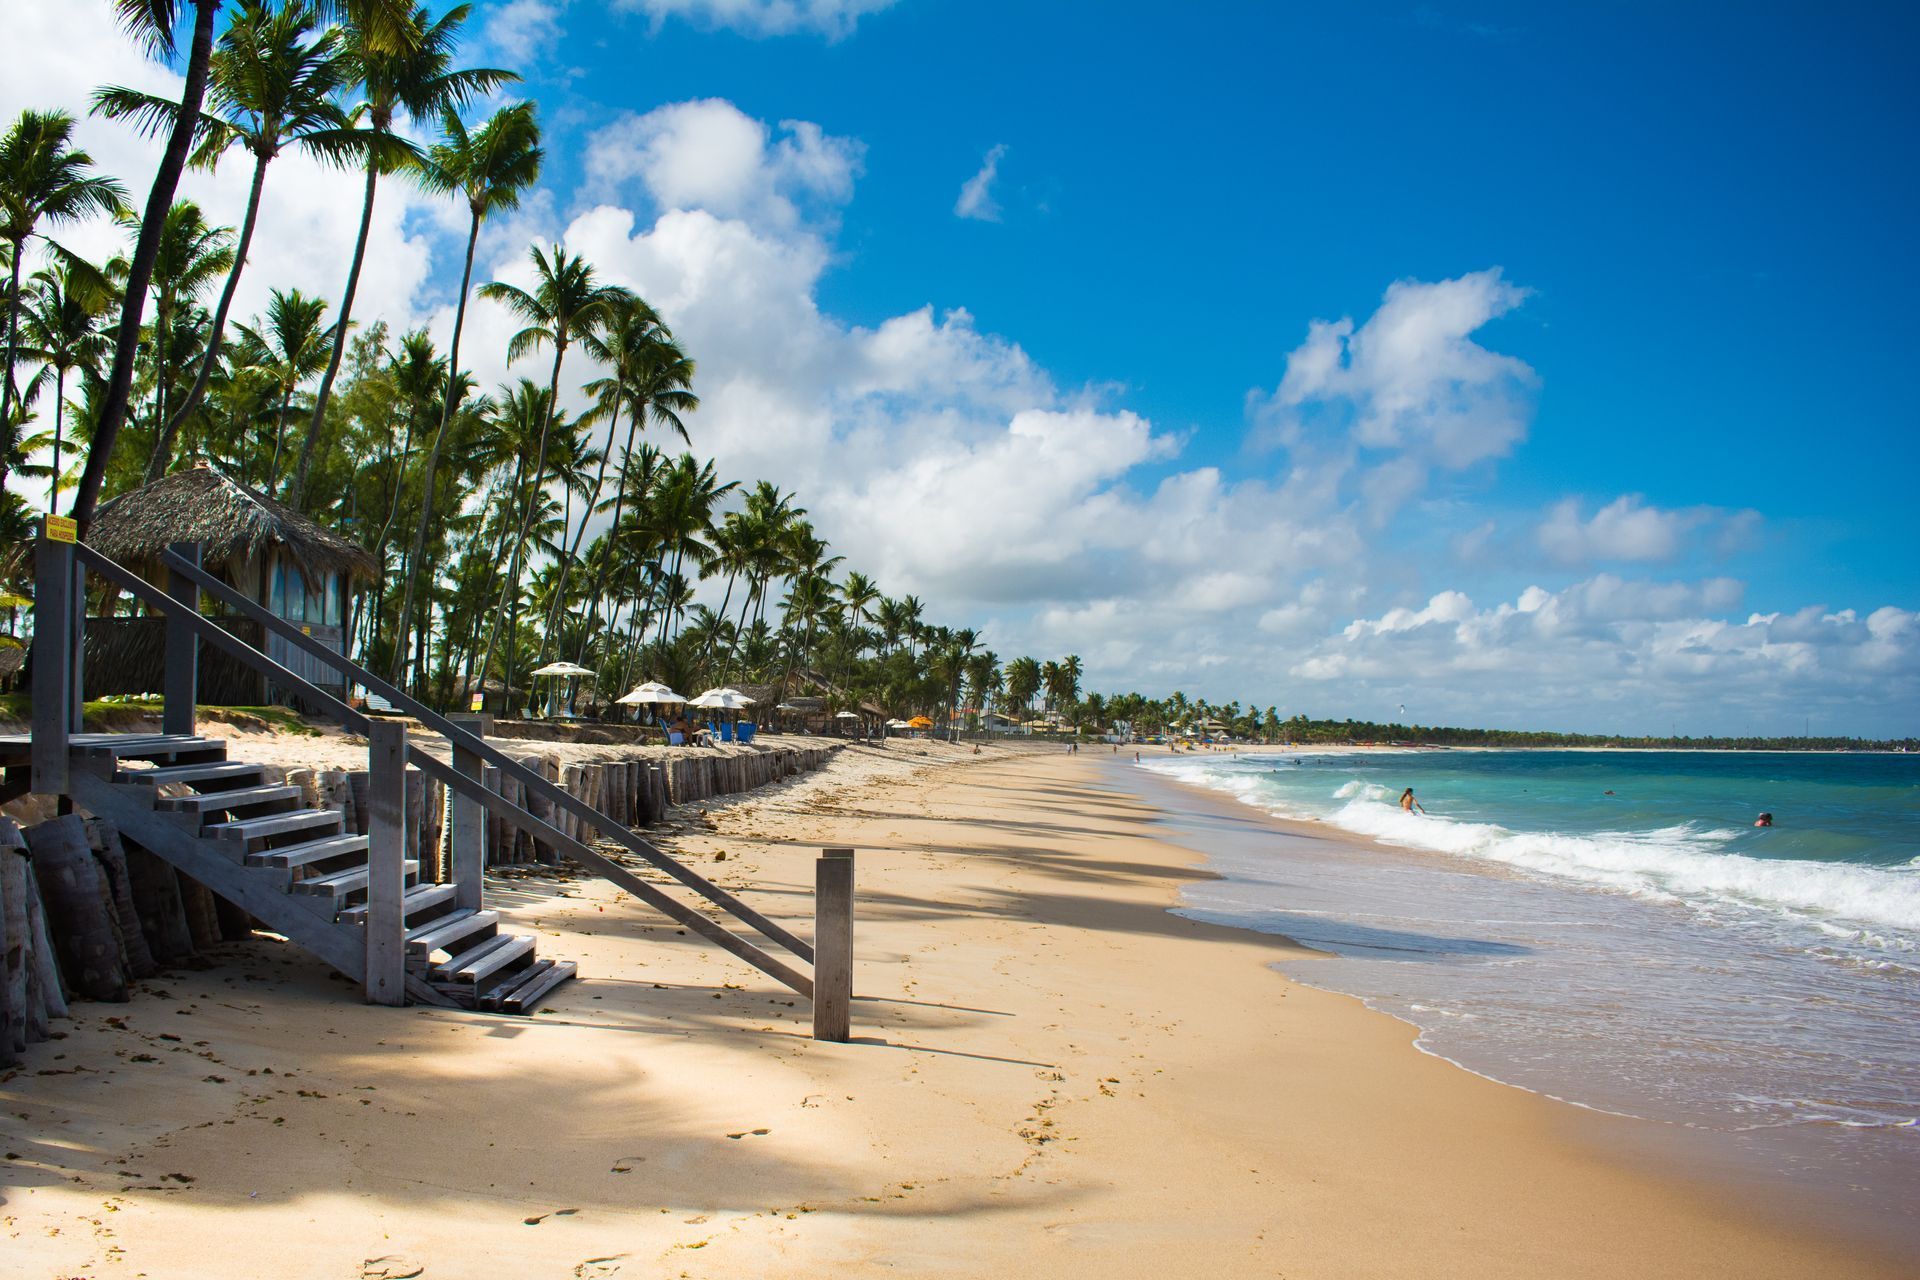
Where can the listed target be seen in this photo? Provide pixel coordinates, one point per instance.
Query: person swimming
(1764, 820)
(1408, 804)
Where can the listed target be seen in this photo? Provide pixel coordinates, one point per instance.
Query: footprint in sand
(393, 1266)
(595, 1267)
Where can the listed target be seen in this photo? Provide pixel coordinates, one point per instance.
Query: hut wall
(128, 656)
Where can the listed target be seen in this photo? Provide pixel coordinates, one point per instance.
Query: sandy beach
(1052, 1076)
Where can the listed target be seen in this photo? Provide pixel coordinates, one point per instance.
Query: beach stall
(651, 694)
(297, 568)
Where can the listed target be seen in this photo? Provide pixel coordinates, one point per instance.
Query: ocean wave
(1672, 864)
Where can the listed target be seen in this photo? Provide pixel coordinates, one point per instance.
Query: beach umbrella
(898, 724)
(919, 722)
(722, 699)
(562, 669)
(845, 715)
(651, 693)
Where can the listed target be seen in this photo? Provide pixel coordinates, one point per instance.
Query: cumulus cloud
(834, 19)
(710, 155)
(1613, 652)
(1385, 403)
(523, 32)
(1628, 529)
(976, 193)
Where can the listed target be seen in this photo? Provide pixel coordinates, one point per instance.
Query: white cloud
(976, 194)
(1384, 404)
(834, 19)
(1612, 652)
(1628, 529)
(522, 32)
(710, 155)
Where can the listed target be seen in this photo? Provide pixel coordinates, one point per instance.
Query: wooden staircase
(299, 871)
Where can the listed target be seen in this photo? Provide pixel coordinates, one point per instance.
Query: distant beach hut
(294, 566)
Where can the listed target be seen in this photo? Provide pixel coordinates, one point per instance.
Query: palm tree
(44, 181)
(651, 376)
(274, 81)
(189, 256)
(152, 23)
(419, 81)
(293, 341)
(63, 326)
(490, 167)
(567, 300)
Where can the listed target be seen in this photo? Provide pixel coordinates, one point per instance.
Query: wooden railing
(57, 683)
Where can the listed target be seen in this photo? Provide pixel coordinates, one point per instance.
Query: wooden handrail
(356, 722)
(536, 784)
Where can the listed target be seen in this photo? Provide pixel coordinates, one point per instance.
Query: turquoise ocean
(1610, 928)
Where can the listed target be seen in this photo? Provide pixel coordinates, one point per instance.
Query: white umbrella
(722, 699)
(562, 669)
(648, 694)
(845, 715)
(898, 724)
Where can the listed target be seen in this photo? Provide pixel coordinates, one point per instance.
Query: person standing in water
(1764, 820)
(1408, 803)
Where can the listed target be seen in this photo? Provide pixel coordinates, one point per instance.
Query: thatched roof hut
(234, 524)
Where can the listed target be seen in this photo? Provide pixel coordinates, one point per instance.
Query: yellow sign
(479, 701)
(306, 631)
(61, 529)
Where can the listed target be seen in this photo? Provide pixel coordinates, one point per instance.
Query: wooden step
(301, 855)
(274, 824)
(227, 801)
(154, 746)
(342, 883)
(228, 772)
(444, 933)
(526, 989)
(417, 900)
(488, 958)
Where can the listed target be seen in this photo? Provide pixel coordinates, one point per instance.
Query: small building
(296, 567)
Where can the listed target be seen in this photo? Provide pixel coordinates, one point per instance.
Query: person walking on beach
(1408, 804)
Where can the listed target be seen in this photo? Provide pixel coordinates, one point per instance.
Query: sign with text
(61, 529)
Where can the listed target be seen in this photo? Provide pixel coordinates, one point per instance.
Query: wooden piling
(833, 946)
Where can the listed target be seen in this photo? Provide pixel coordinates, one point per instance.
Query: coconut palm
(44, 182)
(63, 326)
(417, 80)
(154, 24)
(293, 341)
(490, 167)
(190, 255)
(567, 300)
(651, 377)
(273, 84)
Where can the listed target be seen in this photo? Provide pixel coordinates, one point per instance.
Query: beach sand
(1052, 1076)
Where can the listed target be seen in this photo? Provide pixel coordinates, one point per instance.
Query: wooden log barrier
(79, 911)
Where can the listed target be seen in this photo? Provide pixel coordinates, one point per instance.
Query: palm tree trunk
(418, 556)
(126, 345)
(163, 439)
(185, 411)
(299, 489)
(279, 436)
(13, 330)
(634, 416)
(533, 498)
(59, 421)
(566, 561)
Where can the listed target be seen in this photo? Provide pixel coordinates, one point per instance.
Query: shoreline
(1053, 1074)
(1670, 1143)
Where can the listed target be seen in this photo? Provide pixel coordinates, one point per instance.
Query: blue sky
(1610, 438)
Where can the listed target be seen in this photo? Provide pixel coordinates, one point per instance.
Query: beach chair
(676, 739)
(745, 730)
(726, 733)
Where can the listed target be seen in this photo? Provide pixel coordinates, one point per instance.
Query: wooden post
(833, 945)
(180, 683)
(386, 862)
(53, 576)
(469, 822)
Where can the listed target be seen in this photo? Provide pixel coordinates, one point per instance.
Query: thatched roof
(230, 520)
